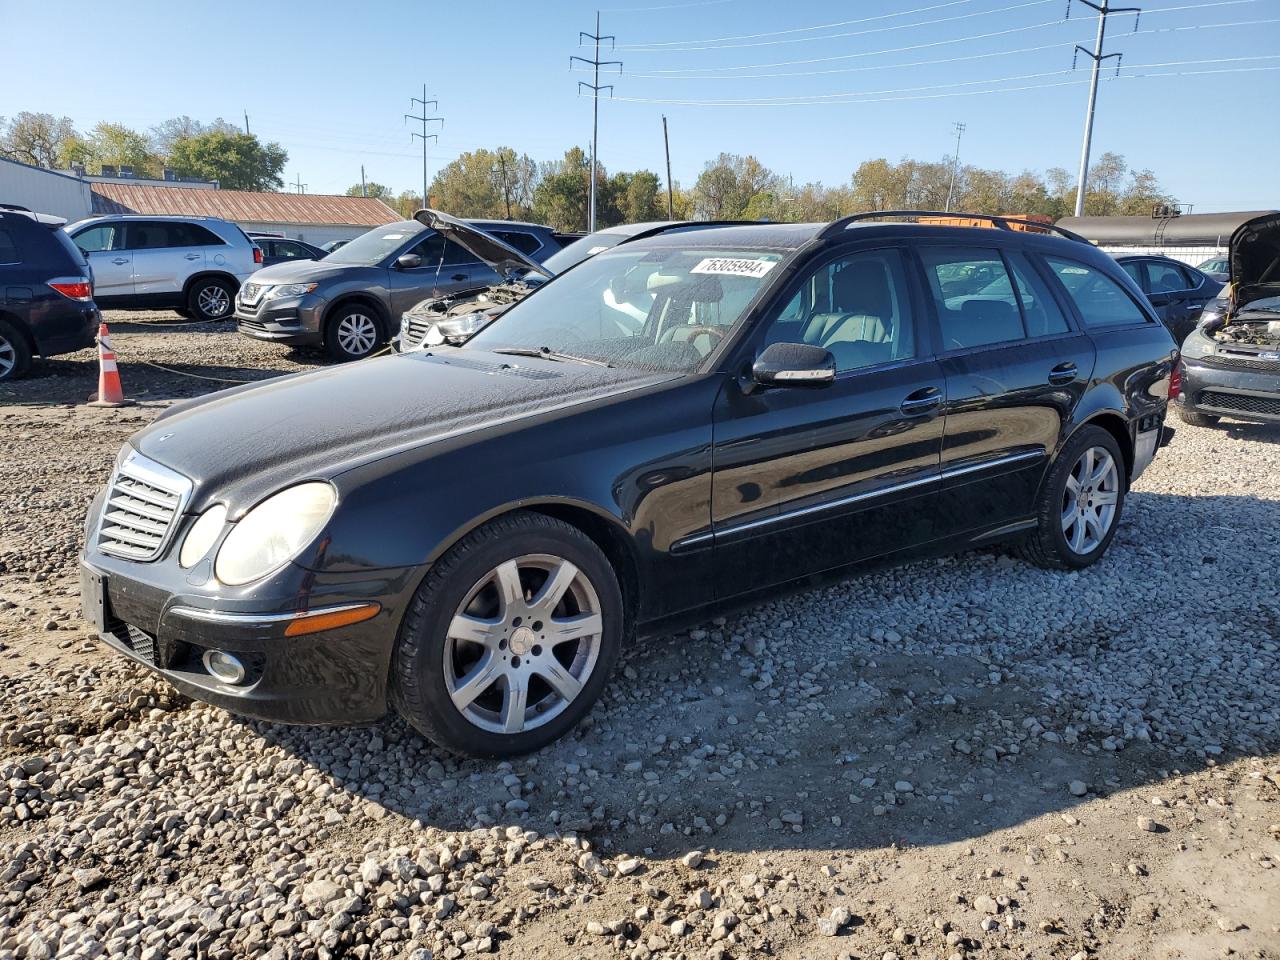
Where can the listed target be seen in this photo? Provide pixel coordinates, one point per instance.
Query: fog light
(223, 666)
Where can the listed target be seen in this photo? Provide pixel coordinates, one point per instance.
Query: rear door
(163, 256)
(1015, 368)
(112, 265)
(807, 480)
(1178, 293)
(446, 269)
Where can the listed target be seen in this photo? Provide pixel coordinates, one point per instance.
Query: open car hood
(486, 246)
(1255, 259)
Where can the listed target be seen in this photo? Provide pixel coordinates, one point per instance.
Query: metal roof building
(317, 218)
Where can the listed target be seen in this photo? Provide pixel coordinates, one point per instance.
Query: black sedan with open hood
(1231, 361)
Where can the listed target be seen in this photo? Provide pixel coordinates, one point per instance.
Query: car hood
(301, 271)
(1255, 259)
(320, 424)
(501, 256)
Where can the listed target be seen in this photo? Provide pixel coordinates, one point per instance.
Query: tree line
(210, 151)
(500, 183)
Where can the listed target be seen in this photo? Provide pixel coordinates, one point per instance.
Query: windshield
(374, 247)
(580, 249)
(656, 308)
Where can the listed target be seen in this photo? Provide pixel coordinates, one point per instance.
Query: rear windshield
(67, 244)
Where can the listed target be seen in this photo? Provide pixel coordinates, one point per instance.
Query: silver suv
(194, 265)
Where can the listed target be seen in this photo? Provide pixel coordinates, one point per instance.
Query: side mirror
(407, 261)
(794, 365)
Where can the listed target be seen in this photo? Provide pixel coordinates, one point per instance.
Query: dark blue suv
(46, 291)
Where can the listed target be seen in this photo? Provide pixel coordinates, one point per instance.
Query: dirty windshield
(373, 247)
(660, 309)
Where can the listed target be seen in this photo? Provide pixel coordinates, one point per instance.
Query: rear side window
(524, 242)
(1101, 301)
(435, 251)
(1040, 312)
(1166, 278)
(106, 236)
(191, 235)
(974, 296)
(1134, 269)
(8, 248)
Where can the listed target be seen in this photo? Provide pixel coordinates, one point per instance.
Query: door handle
(458, 276)
(922, 401)
(121, 260)
(193, 256)
(1063, 373)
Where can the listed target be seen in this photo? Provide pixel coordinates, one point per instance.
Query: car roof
(500, 224)
(792, 236)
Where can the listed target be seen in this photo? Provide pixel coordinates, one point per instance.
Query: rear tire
(510, 638)
(211, 298)
(15, 355)
(1196, 419)
(353, 332)
(1080, 503)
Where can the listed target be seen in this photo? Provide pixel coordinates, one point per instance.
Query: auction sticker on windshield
(734, 267)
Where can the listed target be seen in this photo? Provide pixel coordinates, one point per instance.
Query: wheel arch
(1115, 424)
(23, 329)
(192, 280)
(364, 299)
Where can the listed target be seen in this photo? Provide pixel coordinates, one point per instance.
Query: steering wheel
(692, 333)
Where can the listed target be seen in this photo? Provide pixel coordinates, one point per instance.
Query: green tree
(238, 161)
(561, 197)
(118, 145)
(726, 186)
(371, 189)
(407, 204)
(165, 135)
(634, 198)
(496, 184)
(40, 139)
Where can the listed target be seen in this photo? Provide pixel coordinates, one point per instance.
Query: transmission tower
(1097, 56)
(424, 136)
(595, 87)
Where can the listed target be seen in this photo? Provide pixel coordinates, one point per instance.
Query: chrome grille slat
(143, 505)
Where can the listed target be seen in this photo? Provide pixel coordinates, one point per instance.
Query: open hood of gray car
(486, 246)
(1255, 259)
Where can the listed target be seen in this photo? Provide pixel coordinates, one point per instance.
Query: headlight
(202, 535)
(467, 325)
(290, 290)
(1197, 344)
(274, 532)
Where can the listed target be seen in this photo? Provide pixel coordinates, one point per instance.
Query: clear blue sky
(330, 81)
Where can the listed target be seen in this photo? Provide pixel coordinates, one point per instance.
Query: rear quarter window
(1102, 302)
(8, 247)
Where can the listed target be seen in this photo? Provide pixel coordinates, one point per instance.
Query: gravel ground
(967, 757)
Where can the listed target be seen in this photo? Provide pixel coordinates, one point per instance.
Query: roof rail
(14, 206)
(689, 224)
(837, 227)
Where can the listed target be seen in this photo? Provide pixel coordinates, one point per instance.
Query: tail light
(73, 288)
(1175, 381)
(257, 254)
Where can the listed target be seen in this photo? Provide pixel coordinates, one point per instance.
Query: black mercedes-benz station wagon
(469, 535)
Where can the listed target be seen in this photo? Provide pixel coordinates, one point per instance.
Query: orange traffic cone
(110, 393)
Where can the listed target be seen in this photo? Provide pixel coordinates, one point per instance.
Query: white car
(193, 265)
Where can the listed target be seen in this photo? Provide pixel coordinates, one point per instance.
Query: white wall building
(44, 191)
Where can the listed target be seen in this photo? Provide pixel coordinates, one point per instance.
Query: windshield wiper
(546, 353)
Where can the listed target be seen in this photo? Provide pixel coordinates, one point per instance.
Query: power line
(424, 136)
(595, 87)
(666, 6)
(1097, 56)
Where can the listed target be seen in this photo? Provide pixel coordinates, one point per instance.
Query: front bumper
(151, 613)
(1244, 390)
(296, 322)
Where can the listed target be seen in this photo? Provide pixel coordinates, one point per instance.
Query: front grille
(148, 648)
(252, 324)
(142, 507)
(250, 293)
(1244, 403)
(1242, 361)
(412, 330)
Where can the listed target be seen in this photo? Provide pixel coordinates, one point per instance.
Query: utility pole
(955, 165)
(364, 190)
(298, 185)
(595, 63)
(1096, 55)
(424, 136)
(666, 143)
(506, 190)
(246, 123)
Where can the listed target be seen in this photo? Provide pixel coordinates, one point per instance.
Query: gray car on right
(1231, 360)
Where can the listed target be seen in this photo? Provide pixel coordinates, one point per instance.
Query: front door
(112, 265)
(810, 479)
(446, 269)
(1015, 369)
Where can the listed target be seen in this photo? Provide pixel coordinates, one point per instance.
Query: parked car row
(681, 423)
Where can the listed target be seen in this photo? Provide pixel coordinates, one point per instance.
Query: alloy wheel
(523, 643)
(213, 300)
(1089, 500)
(357, 334)
(8, 357)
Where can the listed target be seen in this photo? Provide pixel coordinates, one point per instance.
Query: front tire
(1080, 503)
(15, 355)
(510, 638)
(210, 298)
(1195, 418)
(353, 333)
